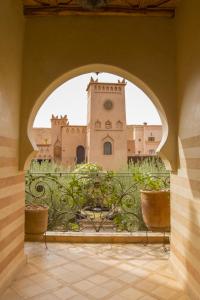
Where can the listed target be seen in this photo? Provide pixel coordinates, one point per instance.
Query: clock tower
(106, 128)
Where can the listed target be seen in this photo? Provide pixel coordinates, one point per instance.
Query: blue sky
(71, 99)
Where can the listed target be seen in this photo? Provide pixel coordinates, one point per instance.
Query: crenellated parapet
(59, 121)
(75, 129)
(100, 87)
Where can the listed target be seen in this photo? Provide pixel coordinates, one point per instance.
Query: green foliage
(90, 194)
(150, 174)
(46, 166)
(89, 167)
(150, 182)
(148, 165)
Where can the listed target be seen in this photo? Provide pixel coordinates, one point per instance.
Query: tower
(106, 128)
(56, 136)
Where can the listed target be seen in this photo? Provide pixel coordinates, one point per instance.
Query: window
(119, 125)
(80, 154)
(107, 148)
(151, 151)
(151, 138)
(98, 124)
(108, 124)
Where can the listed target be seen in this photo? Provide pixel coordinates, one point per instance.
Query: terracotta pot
(156, 210)
(36, 219)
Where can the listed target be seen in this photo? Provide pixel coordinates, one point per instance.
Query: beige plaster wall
(139, 139)
(186, 184)
(154, 131)
(141, 49)
(130, 148)
(11, 180)
(72, 136)
(42, 135)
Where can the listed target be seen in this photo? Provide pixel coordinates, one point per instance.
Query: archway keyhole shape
(107, 69)
(80, 154)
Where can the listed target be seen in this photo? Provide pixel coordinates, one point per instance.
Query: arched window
(80, 154)
(108, 124)
(119, 125)
(107, 148)
(98, 124)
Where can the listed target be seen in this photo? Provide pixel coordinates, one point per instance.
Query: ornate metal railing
(90, 201)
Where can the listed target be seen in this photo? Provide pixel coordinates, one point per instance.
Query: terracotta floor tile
(113, 272)
(115, 297)
(45, 296)
(148, 297)
(79, 297)
(39, 277)
(140, 272)
(30, 291)
(112, 285)
(27, 270)
(98, 292)
(183, 297)
(98, 279)
(83, 285)
(146, 284)
(65, 293)
(95, 271)
(49, 284)
(21, 283)
(10, 295)
(128, 278)
(132, 294)
(165, 293)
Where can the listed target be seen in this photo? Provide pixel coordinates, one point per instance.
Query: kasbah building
(106, 139)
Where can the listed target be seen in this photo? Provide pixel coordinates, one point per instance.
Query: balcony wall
(186, 184)
(11, 181)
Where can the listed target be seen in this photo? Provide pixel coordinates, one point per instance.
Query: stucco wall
(186, 185)
(72, 137)
(11, 181)
(42, 135)
(137, 48)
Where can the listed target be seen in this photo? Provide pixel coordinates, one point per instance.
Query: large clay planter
(156, 210)
(36, 219)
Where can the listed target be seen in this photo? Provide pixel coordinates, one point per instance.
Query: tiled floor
(95, 271)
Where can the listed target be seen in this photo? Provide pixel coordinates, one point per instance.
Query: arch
(97, 124)
(107, 148)
(110, 69)
(80, 154)
(119, 125)
(108, 124)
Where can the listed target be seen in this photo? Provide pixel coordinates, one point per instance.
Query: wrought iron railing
(94, 201)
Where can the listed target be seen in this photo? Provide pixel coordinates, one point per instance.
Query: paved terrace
(95, 271)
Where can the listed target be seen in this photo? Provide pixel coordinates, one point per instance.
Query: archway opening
(107, 142)
(80, 154)
(107, 148)
(144, 138)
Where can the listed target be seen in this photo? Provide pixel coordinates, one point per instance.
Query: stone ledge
(100, 237)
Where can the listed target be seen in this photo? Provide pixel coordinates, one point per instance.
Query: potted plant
(36, 219)
(155, 201)
(36, 212)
